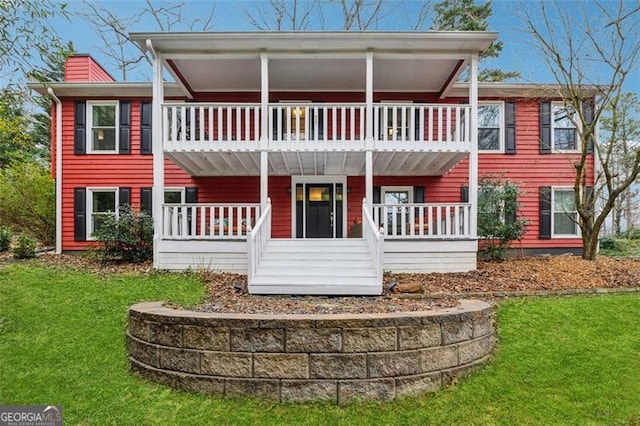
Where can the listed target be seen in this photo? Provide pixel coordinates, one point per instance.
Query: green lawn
(560, 361)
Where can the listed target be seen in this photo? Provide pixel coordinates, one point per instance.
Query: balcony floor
(351, 163)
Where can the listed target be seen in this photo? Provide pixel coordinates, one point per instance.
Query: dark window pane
(104, 116)
(564, 224)
(104, 139)
(104, 202)
(488, 139)
(173, 197)
(564, 139)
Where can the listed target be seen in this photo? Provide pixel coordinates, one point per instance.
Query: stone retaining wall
(338, 358)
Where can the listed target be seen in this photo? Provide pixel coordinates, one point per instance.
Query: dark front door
(319, 210)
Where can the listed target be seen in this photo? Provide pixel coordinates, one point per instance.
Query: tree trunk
(590, 247)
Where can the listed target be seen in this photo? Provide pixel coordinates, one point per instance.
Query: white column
(473, 155)
(264, 137)
(158, 155)
(369, 134)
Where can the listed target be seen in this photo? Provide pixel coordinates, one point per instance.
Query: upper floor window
(102, 118)
(490, 128)
(563, 128)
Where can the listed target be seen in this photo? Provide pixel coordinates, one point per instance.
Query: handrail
(208, 221)
(424, 220)
(375, 241)
(257, 241)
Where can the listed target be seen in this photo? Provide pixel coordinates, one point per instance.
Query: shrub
(632, 234)
(28, 200)
(25, 248)
(498, 222)
(5, 238)
(129, 237)
(612, 244)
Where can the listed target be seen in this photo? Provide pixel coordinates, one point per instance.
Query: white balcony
(424, 221)
(320, 138)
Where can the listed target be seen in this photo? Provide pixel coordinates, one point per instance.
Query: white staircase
(316, 267)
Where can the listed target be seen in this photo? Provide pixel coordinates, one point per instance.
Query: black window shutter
(377, 194)
(145, 128)
(588, 113)
(545, 127)
(418, 194)
(510, 127)
(464, 194)
(191, 194)
(146, 194)
(124, 195)
(79, 214)
(510, 210)
(545, 212)
(80, 128)
(125, 127)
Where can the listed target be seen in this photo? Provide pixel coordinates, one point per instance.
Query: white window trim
(501, 129)
(384, 189)
(578, 233)
(89, 209)
(553, 133)
(89, 123)
(180, 189)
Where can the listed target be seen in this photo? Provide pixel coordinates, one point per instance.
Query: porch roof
(316, 61)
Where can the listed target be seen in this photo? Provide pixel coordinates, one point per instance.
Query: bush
(632, 234)
(5, 238)
(128, 238)
(25, 248)
(498, 222)
(612, 244)
(28, 201)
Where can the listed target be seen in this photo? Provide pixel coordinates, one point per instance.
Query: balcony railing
(318, 126)
(209, 221)
(429, 221)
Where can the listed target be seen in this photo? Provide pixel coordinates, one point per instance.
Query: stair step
(315, 262)
(309, 280)
(317, 290)
(295, 270)
(291, 256)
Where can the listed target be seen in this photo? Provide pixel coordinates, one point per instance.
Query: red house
(310, 161)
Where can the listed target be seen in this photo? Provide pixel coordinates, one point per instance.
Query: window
(396, 195)
(174, 196)
(490, 128)
(102, 202)
(564, 129)
(565, 215)
(102, 119)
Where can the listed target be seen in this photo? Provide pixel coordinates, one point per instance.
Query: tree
(627, 126)
(113, 29)
(51, 71)
(282, 15)
(16, 141)
(26, 37)
(591, 47)
(466, 15)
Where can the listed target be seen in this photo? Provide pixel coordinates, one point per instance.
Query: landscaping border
(332, 357)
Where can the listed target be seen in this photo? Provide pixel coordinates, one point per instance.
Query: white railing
(209, 221)
(422, 122)
(435, 221)
(200, 122)
(375, 239)
(257, 241)
(329, 123)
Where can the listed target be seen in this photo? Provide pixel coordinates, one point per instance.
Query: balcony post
(158, 152)
(473, 155)
(369, 132)
(264, 126)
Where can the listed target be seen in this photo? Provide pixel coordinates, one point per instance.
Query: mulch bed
(403, 292)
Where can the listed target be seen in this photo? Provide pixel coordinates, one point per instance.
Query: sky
(518, 54)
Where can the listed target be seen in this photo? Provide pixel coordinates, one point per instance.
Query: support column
(264, 136)
(158, 156)
(473, 155)
(369, 131)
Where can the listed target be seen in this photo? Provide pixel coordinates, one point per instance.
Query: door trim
(340, 179)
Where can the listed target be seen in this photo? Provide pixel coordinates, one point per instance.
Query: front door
(319, 210)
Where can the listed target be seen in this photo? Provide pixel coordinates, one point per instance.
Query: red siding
(528, 167)
(83, 68)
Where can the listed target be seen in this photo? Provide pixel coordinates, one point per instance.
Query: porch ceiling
(316, 61)
(316, 163)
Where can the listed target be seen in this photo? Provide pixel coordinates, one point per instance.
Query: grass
(560, 361)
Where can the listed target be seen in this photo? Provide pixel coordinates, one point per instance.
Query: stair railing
(257, 241)
(375, 240)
